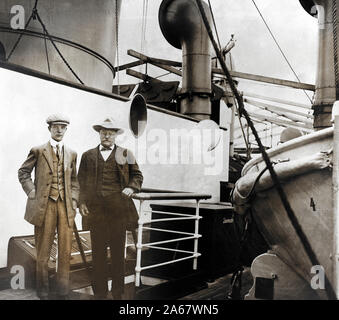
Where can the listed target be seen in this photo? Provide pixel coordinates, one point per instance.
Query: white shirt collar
(54, 143)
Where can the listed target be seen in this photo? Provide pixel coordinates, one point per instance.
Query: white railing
(142, 197)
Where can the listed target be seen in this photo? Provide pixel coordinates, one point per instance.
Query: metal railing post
(177, 217)
(139, 247)
(196, 235)
(126, 243)
(56, 241)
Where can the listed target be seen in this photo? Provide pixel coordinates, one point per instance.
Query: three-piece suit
(56, 186)
(110, 213)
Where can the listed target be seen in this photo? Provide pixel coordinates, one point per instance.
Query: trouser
(56, 218)
(108, 229)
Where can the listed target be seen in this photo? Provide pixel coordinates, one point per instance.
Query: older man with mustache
(108, 176)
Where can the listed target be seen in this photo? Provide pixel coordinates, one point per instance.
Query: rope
(62, 41)
(49, 68)
(35, 15)
(308, 249)
(214, 24)
(146, 14)
(143, 32)
(281, 51)
(143, 25)
(19, 38)
(32, 16)
(56, 48)
(241, 126)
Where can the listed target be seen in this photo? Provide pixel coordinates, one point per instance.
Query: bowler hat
(109, 124)
(57, 119)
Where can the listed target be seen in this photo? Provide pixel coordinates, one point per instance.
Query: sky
(255, 52)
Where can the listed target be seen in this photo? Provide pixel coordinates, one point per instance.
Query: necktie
(105, 149)
(58, 151)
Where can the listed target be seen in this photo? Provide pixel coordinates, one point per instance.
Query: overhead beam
(129, 65)
(141, 76)
(292, 118)
(280, 110)
(276, 81)
(166, 65)
(167, 68)
(259, 132)
(235, 74)
(145, 58)
(252, 138)
(291, 103)
(284, 123)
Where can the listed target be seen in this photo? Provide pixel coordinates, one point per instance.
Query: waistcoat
(58, 184)
(108, 175)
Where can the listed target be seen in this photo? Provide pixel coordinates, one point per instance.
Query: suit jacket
(41, 159)
(129, 174)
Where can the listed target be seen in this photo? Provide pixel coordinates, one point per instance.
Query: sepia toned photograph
(169, 150)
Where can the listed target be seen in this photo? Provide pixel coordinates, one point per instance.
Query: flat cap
(57, 119)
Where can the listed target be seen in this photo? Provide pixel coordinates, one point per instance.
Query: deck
(216, 290)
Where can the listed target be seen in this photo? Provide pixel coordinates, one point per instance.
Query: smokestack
(182, 26)
(86, 22)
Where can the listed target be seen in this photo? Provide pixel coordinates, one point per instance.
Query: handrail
(157, 194)
(152, 190)
(170, 196)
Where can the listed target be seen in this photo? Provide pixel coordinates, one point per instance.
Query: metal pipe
(196, 231)
(183, 28)
(139, 247)
(335, 188)
(327, 79)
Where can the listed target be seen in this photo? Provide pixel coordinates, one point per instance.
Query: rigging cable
(35, 15)
(143, 25)
(280, 49)
(290, 213)
(46, 50)
(143, 31)
(20, 36)
(214, 24)
(56, 48)
(241, 126)
(63, 41)
(117, 43)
